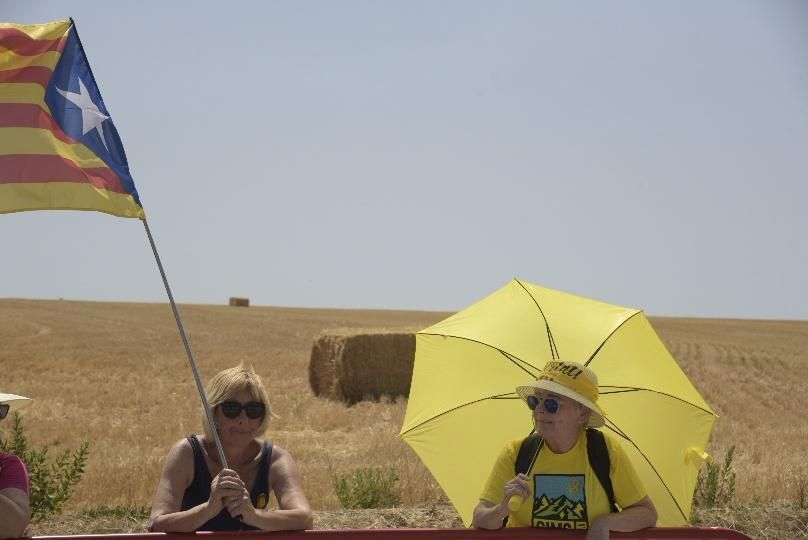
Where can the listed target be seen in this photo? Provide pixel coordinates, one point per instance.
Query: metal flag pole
(177, 317)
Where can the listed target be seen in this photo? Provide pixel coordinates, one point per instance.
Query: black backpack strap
(599, 460)
(528, 451)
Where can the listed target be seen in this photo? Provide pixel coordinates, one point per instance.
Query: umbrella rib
(624, 389)
(612, 426)
(553, 349)
(518, 362)
(509, 395)
(609, 337)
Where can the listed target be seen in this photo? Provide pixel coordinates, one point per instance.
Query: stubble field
(116, 375)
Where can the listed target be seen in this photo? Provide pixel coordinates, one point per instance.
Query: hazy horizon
(331, 308)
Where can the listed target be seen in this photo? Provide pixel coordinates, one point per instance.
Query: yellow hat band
(571, 377)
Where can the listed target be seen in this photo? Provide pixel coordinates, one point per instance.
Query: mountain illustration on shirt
(560, 508)
(560, 501)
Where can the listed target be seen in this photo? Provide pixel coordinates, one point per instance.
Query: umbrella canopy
(463, 406)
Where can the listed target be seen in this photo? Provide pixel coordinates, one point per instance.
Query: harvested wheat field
(116, 375)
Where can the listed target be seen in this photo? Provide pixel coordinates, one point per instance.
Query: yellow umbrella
(463, 406)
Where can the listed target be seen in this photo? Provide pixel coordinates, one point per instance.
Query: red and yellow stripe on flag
(58, 146)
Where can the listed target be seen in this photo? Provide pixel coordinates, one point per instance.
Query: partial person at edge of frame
(196, 494)
(563, 400)
(15, 507)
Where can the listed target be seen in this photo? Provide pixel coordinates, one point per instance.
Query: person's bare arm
(638, 516)
(294, 512)
(178, 473)
(488, 515)
(15, 512)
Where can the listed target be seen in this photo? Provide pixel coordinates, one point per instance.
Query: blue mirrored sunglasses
(550, 404)
(3, 410)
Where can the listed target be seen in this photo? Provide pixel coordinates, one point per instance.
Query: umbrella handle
(515, 502)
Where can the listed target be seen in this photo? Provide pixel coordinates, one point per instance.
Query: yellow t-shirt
(565, 492)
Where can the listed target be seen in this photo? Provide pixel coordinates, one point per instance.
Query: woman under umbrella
(560, 485)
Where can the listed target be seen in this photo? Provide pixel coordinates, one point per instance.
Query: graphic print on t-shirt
(560, 501)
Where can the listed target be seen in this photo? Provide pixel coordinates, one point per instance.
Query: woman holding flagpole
(196, 493)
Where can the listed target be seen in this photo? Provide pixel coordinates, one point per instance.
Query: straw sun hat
(14, 401)
(572, 380)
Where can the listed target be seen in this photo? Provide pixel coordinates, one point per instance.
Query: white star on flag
(91, 117)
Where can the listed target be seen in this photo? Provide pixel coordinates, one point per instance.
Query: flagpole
(205, 404)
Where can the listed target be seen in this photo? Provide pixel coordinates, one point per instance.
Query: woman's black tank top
(199, 490)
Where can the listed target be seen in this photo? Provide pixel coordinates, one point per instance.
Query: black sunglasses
(254, 409)
(3, 410)
(550, 404)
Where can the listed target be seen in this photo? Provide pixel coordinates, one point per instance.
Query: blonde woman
(196, 493)
(15, 509)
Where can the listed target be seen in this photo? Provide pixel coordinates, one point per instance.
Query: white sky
(420, 154)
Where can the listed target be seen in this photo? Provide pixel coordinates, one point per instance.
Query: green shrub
(367, 488)
(716, 483)
(52, 484)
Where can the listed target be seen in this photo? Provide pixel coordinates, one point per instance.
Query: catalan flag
(58, 146)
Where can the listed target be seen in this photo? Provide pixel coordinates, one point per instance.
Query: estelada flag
(58, 146)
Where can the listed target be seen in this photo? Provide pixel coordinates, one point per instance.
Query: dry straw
(116, 375)
(352, 365)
